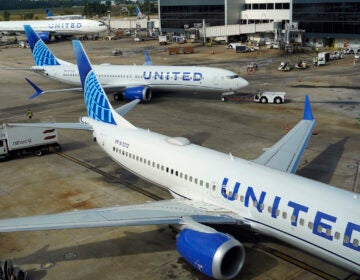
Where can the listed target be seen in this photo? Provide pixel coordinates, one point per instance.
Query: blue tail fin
(148, 60)
(41, 53)
(97, 104)
(138, 12)
(49, 13)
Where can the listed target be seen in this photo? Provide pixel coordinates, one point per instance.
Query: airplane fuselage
(56, 27)
(168, 78)
(310, 215)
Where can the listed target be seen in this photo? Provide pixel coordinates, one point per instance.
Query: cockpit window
(232, 77)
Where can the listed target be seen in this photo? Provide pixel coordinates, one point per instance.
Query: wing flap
(152, 213)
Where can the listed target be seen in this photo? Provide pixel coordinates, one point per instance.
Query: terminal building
(324, 21)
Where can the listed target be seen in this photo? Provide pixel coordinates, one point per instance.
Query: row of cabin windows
(236, 196)
(107, 76)
(293, 218)
(170, 77)
(166, 169)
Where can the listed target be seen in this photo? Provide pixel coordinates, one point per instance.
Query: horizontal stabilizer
(123, 110)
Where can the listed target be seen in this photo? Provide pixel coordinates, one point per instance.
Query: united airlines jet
(134, 81)
(213, 188)
(48, 29)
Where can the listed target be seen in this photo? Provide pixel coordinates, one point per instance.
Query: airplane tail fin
(49, 13)
(97, 104)
(148, 60)
(41, 53)
(138, 12)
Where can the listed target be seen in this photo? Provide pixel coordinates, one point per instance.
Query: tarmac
(81, 176)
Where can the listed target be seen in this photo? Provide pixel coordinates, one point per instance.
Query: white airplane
(213, 188)
(48, 29)
(134, 81)
(50, 15)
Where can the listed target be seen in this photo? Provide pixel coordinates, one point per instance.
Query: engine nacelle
(217, 255)
(141, 92)
(45, 36)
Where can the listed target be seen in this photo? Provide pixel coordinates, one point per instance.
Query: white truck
(20, 140)
(276, 97)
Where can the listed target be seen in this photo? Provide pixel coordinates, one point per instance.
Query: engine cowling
(141, 92)
(45, 36)
(215, 254)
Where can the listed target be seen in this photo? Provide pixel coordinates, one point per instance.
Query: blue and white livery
(136, 81)
(263, 194)
(48, 29)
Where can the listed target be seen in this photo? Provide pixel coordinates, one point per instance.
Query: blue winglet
(41, 53)
(97, 104)
(308, 115)
(38, 91)
(148, 60)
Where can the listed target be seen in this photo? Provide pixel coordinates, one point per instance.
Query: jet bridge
(237, 29)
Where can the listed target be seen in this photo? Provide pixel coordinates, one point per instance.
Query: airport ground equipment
(17, 141)
(285, 66)
(301, 64)
(276, 97)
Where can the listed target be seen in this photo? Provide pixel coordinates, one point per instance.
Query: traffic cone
(286, 129)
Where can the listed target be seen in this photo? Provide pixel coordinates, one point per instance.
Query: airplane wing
(285, 155)
(79, 126)
(175, 211)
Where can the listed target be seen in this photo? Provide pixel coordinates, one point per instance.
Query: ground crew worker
(29, 114)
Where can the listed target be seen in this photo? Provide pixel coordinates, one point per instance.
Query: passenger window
(346, 239)
(1, 144)
(162, 167)
(214, 187)
(255, 203)
(284, 215)
(185, 176)
(310, 225)
(293, 218)
(319, 228)
(302, 221)
(277, 212)
(242, 198)
(167, 169)
(269, 209)
(158, 166)
(356, 243)
(328, 232)
(195, 180)
(262, 206)
(172, 171)
(207, 185)
(201, 182)
(236, 196)
(190, 178)
(337, 235)
(176, 173)
(181, 175)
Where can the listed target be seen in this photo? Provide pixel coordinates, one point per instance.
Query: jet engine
(45, 36)
(215, 254)
(141, 92)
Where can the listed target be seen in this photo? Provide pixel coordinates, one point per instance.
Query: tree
(6, 16)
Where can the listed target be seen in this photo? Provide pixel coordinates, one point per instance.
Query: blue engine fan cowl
(45, 36)
(140, 92)
(217, 255)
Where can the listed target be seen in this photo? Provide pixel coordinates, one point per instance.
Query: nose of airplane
(242, 83)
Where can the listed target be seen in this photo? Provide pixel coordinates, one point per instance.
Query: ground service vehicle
(276, 97)
(16, 141)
